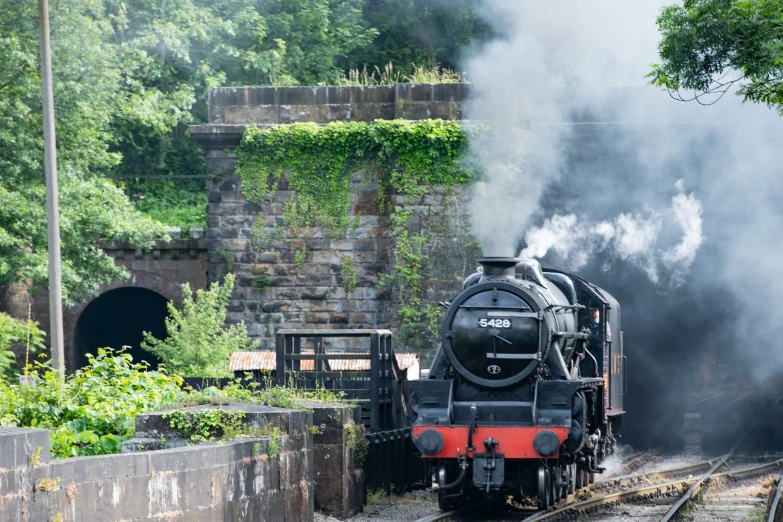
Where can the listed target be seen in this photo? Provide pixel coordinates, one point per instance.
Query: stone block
(325, 256)
(19, 445)
(338, 318)
(317, 317)
(405, 93)
(258, 114)
(300, 113)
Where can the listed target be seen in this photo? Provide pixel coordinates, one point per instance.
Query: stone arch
(117, 315)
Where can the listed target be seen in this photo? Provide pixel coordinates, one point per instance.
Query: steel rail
(696, 487)
(633, 459)
(609, 498)
(453, 515)
(625, 480)
(742, 473)
(773, 509)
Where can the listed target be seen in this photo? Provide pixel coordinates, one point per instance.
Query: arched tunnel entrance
(118, 318)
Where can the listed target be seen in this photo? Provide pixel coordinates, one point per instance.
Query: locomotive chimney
(498, 267)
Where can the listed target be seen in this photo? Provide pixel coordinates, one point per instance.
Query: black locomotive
(525, 395)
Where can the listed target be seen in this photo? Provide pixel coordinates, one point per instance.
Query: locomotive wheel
(544, 487)
(557, 478)
(572, 479)
(581, 478)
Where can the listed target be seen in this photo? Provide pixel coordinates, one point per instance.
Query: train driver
(595, 323)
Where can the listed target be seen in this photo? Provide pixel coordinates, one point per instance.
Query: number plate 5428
(494, 323)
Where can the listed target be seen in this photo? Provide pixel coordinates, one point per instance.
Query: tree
(87, 87)
(199, 343)
(708, 46)
(421, 32)
(14, 331)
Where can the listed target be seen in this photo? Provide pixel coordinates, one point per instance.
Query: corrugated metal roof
(267, 360)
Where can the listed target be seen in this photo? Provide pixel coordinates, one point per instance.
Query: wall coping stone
(232, 109)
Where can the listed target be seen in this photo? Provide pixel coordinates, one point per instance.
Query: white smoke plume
(523, 83)
(631, 237)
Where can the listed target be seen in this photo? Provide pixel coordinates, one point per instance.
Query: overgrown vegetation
(176, 202)
(349, 274)
(388, 76)
(319, 161)
(354, 439)
(198, 342)
(15, 332)
(93, 411)
(128, 79)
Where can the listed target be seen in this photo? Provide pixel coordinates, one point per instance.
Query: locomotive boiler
(525, 395)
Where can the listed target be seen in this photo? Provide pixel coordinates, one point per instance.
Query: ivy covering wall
(319, 161)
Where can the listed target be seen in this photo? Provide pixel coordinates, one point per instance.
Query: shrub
(13, 331)
(199, 343)
(92, 411)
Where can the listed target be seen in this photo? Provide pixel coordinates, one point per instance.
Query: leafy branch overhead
(709, 46)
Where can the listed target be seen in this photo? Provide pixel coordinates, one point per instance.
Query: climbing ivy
(318, 162)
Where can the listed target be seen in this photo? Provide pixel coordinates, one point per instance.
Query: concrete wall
(236, 480)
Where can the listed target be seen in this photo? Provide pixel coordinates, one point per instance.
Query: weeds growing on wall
(319, 162)
(92, 411)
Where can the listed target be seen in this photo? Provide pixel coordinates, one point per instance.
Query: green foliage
(709, 45)
(408, 158)
(433, 74)
(354, 439)
(180, 203)
(12, 332)
(299, 256)
(349, 273)
(261, 282)
(93, 410)
(86, 85)
(228, 257)
(208, 424)
(419, 32)
(319, 161)
(199, 344)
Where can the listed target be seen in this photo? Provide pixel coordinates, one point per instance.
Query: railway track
(776, 507)
(654, 489)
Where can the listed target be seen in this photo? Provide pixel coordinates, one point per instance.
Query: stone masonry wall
(211, 482)
(272, 290)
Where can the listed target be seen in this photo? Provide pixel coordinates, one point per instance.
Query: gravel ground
(400, 508)
(741, 501)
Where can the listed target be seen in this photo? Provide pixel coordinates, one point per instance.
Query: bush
(199, 344)
(92, 411)
(13, 331)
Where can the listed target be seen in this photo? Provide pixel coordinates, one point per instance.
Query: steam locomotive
(525, 396)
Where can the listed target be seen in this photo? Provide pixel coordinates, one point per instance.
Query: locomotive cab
(513, 402)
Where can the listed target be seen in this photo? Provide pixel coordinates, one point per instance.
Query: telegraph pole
(52, 206)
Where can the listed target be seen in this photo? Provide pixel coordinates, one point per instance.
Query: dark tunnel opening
(118, 318)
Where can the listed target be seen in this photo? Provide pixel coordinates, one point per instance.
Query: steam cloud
(631, 237)
(580, 172)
